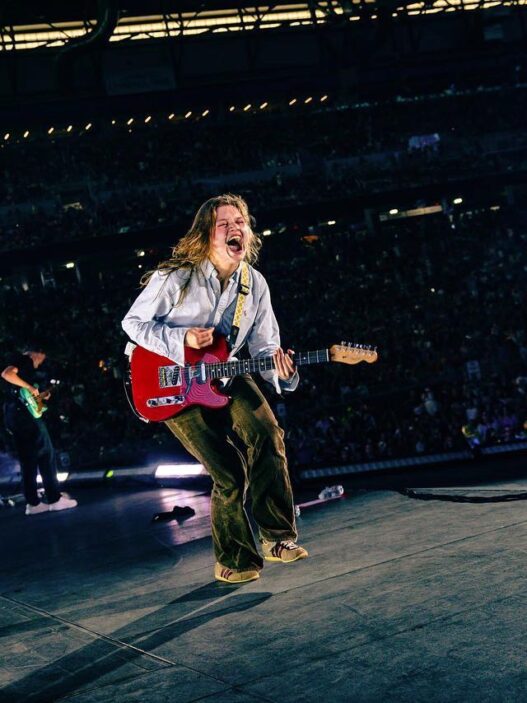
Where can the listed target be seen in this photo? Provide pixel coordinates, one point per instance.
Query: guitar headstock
(347, 353)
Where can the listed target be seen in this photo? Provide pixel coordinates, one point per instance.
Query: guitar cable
(452, 498)
(127, 385)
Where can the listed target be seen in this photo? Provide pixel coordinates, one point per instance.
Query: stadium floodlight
(6, 136)
(189, 113)
(140, 252)
(148, 118)
(232, 108)
(69, 128)
(205, 113)
(130, 121)
(51, 130)
(247, 107)
(393, 211)
(308, 100)
(292, 102)
(332, 222)
(457, 201)
(266, 232)
(114, 121)
(26, 134)
(171, 116)
(179, 470)
(70, 265)
(263, 106)
(323, 98)
(88, 126)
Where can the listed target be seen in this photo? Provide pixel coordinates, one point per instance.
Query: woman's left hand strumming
(284, 364)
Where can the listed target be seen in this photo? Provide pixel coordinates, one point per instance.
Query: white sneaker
(36, 509)
(63, 504)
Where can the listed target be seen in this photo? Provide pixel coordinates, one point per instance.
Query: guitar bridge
(169, 376)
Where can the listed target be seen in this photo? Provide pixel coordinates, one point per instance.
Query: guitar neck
(229, 369)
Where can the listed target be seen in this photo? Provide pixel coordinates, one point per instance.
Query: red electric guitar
(162, 389)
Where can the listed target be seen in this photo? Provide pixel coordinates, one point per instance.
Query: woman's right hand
(199, 337)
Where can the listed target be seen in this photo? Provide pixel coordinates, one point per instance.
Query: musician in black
(30, 435)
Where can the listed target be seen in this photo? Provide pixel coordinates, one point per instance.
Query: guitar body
(161, 389)
(35, 406)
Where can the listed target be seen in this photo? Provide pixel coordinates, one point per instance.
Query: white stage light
(179, 470)
(61, 475)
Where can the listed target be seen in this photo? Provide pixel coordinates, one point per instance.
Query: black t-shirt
(26, 371)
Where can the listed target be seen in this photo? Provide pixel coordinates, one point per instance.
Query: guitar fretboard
(228, 369)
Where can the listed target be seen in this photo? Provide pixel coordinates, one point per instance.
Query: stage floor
(400, 600)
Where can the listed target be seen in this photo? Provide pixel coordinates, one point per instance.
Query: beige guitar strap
(243, 291)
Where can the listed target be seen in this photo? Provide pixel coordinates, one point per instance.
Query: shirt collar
(209, 271)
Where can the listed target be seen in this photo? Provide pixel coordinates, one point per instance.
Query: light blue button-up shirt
(158, 323)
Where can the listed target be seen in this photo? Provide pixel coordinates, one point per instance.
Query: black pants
(35, 452)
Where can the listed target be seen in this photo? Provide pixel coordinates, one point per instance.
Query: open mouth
(234, 244)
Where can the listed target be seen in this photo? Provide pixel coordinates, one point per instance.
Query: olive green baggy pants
(212, 436)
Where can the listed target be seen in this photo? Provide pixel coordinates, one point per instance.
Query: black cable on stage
(450, 498)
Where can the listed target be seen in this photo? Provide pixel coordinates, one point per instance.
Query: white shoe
(63, 504)
(36, 509)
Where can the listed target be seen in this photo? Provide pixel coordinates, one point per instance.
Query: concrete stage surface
(400, 600)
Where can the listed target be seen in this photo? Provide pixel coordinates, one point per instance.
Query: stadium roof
(55, 22)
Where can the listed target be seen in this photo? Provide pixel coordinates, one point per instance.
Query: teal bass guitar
(34, 403)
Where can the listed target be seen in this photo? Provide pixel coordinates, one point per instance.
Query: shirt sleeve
(145, 322)
(264, 340)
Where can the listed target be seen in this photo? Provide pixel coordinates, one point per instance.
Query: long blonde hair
(193, 248)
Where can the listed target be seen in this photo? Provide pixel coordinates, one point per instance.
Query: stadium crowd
(115, 178)
(441, 296)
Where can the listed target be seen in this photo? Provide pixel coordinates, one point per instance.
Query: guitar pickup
(165, 400)
(169, 376)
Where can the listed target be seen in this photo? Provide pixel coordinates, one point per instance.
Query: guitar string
(219, 369)
(234, 368)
